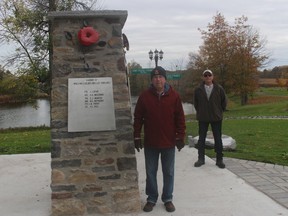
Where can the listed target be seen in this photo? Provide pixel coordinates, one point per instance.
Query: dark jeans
(217, 133)
(151, 164)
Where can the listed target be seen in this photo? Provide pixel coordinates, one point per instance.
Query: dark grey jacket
(210, 110)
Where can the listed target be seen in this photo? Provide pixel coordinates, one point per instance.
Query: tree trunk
(52, 7)
(244, 99)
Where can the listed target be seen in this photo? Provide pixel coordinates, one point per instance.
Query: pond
(187, 107)
(32, 114)
(38, 113)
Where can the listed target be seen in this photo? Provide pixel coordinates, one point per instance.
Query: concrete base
(204, 191)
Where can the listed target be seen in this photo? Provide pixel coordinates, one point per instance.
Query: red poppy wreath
(88, 36)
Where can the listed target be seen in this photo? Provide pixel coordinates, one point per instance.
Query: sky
(172, 26)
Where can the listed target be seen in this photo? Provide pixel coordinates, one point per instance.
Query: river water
(187, 107)
(38, 113)
(25, 114)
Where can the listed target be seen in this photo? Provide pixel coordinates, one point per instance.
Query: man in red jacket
(160, 110)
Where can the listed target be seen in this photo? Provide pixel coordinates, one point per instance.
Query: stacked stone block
(93, 172)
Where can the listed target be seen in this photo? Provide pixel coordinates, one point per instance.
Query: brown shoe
(148, 207)
(169, 207)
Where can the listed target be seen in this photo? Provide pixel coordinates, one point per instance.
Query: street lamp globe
(157, 55)
(161, 54)
(150, 55)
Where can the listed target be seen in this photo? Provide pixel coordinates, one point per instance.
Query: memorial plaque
(90, 104)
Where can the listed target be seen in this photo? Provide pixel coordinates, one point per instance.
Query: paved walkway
(205, 191)
(270, 179)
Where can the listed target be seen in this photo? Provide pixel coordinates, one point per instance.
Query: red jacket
(162, 116)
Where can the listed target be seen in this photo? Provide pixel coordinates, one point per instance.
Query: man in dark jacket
(210, 102)
(160, 110)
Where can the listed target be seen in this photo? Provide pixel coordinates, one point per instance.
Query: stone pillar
(93, 158)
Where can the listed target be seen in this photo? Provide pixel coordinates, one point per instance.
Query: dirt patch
(267, 99)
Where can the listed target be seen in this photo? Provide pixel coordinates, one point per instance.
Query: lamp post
(157, 55)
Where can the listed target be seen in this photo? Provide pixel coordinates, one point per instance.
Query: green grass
(25, 140)
(264, 102)
(277, 91)
(279, 108)
(263, 140)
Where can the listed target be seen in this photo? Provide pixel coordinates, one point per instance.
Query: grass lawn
(25, 140)
(263, 140)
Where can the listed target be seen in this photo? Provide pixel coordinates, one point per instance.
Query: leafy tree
(22, 25)
(22, 87)
(234, 53)
(138, 82)
(133, 65)
(3, 73)
(23, 22)
(216, 49)
(26, 87)
(247, 57)
(8, 84)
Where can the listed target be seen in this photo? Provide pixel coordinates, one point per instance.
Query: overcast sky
(173, 26)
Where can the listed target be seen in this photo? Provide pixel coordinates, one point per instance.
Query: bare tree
(178, 64)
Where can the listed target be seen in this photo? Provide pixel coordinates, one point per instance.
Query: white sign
(90, 104)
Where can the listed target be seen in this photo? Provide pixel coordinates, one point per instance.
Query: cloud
(173, 25)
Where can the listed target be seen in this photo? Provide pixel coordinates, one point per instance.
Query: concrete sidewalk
(204, 191)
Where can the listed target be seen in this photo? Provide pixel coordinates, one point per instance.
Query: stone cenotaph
(94, 169)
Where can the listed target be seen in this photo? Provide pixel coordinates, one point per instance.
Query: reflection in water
(187, 107)
(25, 115)
(38, 113)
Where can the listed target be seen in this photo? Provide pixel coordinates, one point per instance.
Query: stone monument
(94, 168)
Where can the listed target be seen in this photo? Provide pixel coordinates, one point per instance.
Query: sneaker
(148, 207)
(199, 163)
(220, 164)
(169, 207)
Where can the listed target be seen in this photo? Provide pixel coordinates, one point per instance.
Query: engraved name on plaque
(90, 104)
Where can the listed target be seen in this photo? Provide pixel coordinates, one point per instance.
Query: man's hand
(180, 144)
(138, 144)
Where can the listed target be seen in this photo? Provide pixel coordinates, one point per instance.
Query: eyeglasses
(207, 75)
